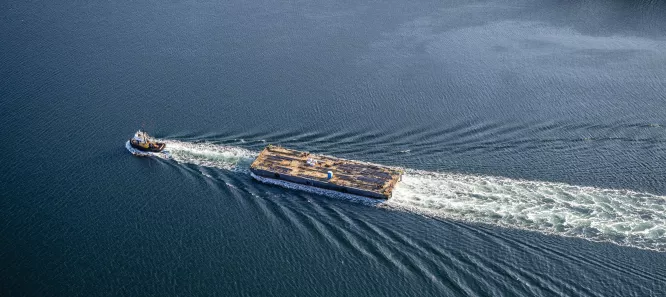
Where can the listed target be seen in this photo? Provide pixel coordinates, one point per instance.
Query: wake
(210, 155)
(622, 217)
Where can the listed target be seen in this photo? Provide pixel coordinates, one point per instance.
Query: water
(624, 217)
(532, 134)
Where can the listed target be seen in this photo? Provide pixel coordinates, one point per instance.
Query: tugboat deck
(352, 177)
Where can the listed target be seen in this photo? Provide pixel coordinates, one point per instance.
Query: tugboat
(143, 142)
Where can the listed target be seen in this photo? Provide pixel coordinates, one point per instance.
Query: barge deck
(346, 176)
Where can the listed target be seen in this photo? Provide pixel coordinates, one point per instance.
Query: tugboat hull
(155, 147)
(163, 154)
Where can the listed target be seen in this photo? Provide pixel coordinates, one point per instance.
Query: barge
(325, 172)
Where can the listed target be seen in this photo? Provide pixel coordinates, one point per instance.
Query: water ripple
(623, 217)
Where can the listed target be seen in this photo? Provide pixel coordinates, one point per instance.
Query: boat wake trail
(210, 155)
(622, 217)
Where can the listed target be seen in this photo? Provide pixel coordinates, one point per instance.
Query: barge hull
(315, 190)
(325, 172)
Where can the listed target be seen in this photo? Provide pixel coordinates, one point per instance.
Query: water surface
(532, 133)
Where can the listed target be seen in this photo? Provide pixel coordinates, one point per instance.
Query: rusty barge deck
(346, 176)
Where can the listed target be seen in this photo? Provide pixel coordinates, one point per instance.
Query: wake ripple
(622, 217)
(210, 155)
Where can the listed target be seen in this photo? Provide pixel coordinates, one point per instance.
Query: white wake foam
(620, 216)
(210, 155)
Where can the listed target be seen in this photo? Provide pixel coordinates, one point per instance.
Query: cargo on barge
(346, 176)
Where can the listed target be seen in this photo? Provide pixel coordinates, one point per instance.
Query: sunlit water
(532, 134)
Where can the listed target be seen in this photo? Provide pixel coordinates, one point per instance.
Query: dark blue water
(532, 132)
